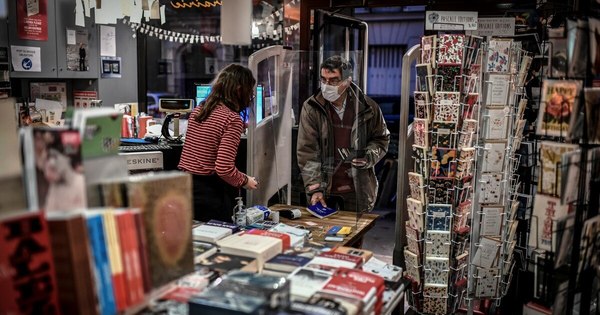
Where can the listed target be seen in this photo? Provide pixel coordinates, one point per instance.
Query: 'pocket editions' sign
(451, 20)
(504, 26)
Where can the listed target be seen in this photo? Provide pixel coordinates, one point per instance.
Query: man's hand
(317, 197)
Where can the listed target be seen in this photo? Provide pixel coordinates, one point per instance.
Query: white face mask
(330, 92)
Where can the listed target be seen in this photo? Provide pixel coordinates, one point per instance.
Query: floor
(380, 239)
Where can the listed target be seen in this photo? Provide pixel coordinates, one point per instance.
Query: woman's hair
(234, 87)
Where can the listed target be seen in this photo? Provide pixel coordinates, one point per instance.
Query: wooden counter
(319, 227)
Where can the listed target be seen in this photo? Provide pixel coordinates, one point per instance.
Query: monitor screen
(202, 92)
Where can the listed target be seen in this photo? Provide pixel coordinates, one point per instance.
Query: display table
(319, 227)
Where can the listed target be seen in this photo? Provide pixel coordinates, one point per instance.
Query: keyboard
(145, 147)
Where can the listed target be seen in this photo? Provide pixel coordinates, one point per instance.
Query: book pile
(213, 230)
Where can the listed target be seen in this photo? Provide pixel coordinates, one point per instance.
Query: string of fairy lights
(193, 37)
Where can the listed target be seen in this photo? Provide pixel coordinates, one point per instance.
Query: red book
(285, 239)
(113, 246)
(128, 249)
(27, 280)
(134, 253)
(141, 237)
(358, 260)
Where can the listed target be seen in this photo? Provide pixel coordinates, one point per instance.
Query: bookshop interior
(300, 157)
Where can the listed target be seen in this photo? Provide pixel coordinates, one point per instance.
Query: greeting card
(493, 156)
(496, 122)
(487, 282)
(464, 190)
(467, 133)
(413, 239)
(465, 163)
(435, 305)
(472, 50)
(439, 217)
(486, 254)
(415, 213)
(498, 57)
(491, 221)
(437, 243)
(556, 107)
(424, 78)
(428, 48)
(421, 132)
(421, 160)
(446, 107)
(422, 106)
(491, 188)
(443, 162)
(470, 106)
(550, 162)
(412, 265)
(431, 290)
(461, 216)
(450, 49)
(441, 190)
(496, 88)
(448, 78)
(443, 134)
(436, 270)
(415, 182)
(472, 79)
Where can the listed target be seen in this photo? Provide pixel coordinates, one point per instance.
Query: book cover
(210, 233)
(304, 282)
(354, 260)
(439, 217)
(144, 271)
(446, 107)
(284, 238)
(414, 207)
(262, 248)
(448, 78)
(355, 283)
(233, 227)
(421, 132)
(550, 170)
(113, 246)
(133, 259)
(498, 55)
(436, 270)
(69, 241)
(165, 200)
(422, 107)
(101, 264)
(491, 188)
(28, 282)
(441, 190)
(286, 262)
(223, 263)
(387, 271)
(297, 235)
(203, 250)
(443, 162)
(415, 184)
(337, 302)
(365, 254)
(443, 134)
(556, 107)
(428, 48)
(450, 49)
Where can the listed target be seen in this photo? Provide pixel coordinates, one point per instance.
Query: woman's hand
(252, 183)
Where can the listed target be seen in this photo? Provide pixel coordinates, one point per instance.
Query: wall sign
(26, 59)
(32, 19)
(110, 67)
(451, 20)
(504, 26)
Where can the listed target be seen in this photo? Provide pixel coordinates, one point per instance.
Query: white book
(332, 262)
(297, 235)
(209, 233)
(304, 282)
(260, 247)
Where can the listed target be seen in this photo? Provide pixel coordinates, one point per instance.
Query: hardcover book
(12, 182)
(337, 302)
(443, 162)
(422, 107)
(439, 217)
(357, 284)
(113, 246)
(421, 132)
(286, 262)
(28, 282)
(297, 235)
(550, 160)
(101, 263)
(210, 233)
(304, 282)
(498, 57)
(443, 134)
(450, 49)
(260, 247)
(556, 107)
(446, 107)
(223, 263)
(284, 238)
(165, 201)
(132, 261)
(336, 260)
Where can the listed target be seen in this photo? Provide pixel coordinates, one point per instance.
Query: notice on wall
(83, 99)
(504, 26)
(451, 20)
(26, 58)
(108, 41)
(32, 19)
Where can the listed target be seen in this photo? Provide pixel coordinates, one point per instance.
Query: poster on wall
(32, 19)
(77, 48)
(83, 99)
(51, 91)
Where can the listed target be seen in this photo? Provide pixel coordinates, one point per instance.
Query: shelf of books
(468, 123)
(96, 240)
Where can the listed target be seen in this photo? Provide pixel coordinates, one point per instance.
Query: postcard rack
(462, 201)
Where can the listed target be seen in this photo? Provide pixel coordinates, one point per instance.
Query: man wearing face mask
(342, 135)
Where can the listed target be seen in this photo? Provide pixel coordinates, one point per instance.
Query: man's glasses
(332, 81)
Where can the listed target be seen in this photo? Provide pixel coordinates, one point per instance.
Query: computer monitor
(203, 90)
(175, 105)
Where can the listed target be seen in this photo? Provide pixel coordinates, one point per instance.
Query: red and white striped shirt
(211, 146)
